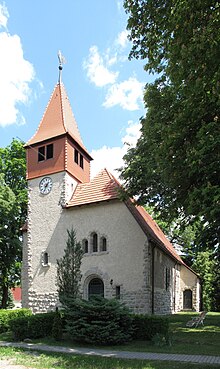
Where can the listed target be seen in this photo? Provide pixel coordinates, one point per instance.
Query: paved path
(203, 359)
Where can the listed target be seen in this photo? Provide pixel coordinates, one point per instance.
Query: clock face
(45, 185)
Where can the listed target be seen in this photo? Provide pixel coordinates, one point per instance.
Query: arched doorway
(96, 287)
(187, 299)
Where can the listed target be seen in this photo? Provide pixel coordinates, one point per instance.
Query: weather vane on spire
(62, 61)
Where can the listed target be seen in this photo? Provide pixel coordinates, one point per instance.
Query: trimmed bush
(145, 327)
(34, 326)
(7, 315)
(98, 321)
(57, 329)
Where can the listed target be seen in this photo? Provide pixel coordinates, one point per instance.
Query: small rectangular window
(81, 161)
(49, 151)
(117, 292)
(168, 278)
(76, 156)
(41, 153)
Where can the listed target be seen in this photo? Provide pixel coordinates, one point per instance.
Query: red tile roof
(104, 187)
(101, 188)
(58, 119)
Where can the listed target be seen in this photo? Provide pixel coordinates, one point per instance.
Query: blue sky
(105, 88)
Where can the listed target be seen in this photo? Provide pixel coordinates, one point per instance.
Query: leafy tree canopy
(10, 246)
(175, 165)
(13, 206)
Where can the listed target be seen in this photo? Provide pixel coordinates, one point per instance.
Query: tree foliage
(204, 264)
(68, 269)
(13, 204)
(98, 321)
(174, 166)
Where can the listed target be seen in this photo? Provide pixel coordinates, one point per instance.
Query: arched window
(103, 244)
(45, 258)
(96, 287)
(85, 245)
(94, 242)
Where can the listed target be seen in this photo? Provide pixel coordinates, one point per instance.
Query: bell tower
(57, 146)
(57, 161)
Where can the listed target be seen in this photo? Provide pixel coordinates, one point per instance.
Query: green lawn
(67, 361)
(203, 340)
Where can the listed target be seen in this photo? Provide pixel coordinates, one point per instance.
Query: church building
(126, 255)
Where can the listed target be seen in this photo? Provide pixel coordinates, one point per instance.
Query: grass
(66, 361)
(203, 340)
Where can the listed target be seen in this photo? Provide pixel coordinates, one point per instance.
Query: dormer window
(45, 152)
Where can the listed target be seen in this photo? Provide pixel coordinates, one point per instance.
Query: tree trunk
(4, 296)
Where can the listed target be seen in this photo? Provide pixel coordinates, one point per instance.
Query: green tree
(13, 165)
(174, 166)
(68, 269)
(10, 245)
(13, 208)
(204, 265)
(98, 320)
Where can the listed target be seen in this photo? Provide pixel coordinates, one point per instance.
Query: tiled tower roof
(57, 120)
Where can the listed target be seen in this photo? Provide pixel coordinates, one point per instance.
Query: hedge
(33, 326)
(145, 327)
(7, 315)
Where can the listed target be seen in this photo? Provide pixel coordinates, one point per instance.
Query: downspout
(152, 287)
(174, 287)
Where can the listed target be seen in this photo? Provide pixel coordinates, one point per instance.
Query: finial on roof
(61, 62)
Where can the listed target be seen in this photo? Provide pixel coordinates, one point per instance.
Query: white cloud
(4, 15)
(112, 157)
(127, 94)
(16, 73)
(97, 71)
(122, 39)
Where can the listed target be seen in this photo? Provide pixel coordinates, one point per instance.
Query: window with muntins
(96, 287)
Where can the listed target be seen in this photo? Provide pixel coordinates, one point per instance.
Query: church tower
(57, 161)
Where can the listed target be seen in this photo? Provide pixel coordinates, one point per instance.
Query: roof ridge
(62, 110)
(45, 110)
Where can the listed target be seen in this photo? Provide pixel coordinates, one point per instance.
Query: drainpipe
(152, 287)
(174, 287)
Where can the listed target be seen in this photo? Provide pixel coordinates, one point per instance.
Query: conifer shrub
(98, 321)
(57, 329)
(33, 326)
(145, 327)
(7, 315)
